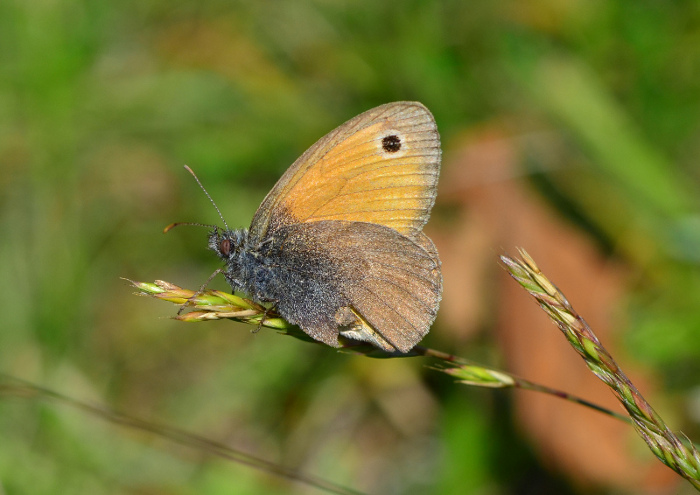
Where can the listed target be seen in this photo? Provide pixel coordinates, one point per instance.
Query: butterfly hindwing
(361, 279)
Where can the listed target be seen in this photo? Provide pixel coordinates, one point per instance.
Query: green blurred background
(101, 103)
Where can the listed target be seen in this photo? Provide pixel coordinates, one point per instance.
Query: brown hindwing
(389, 280)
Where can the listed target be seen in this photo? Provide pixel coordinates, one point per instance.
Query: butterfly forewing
(380, 167)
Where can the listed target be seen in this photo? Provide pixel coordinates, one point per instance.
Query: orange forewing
(350, 175)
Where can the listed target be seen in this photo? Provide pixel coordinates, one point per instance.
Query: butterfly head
(228, 244)
(231, 247)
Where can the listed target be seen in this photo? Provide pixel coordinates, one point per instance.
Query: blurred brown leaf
(498, 212)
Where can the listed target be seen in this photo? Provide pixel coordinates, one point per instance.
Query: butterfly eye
(391, 143)
(225, 247)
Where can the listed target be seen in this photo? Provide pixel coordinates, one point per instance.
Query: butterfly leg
(190, 301)
(271, 309)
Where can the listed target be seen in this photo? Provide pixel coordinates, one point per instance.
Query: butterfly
(337, 246)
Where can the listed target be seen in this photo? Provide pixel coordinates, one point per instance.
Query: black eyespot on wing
(225, 247)
(391, 143)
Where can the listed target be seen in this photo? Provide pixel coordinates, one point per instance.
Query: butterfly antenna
(208, 196)
(177, 224)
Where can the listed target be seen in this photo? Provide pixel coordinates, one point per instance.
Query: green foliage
(101, 103)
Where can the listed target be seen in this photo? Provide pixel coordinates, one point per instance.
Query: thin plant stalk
(680, 456)
(13, 386)
(212, 305)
